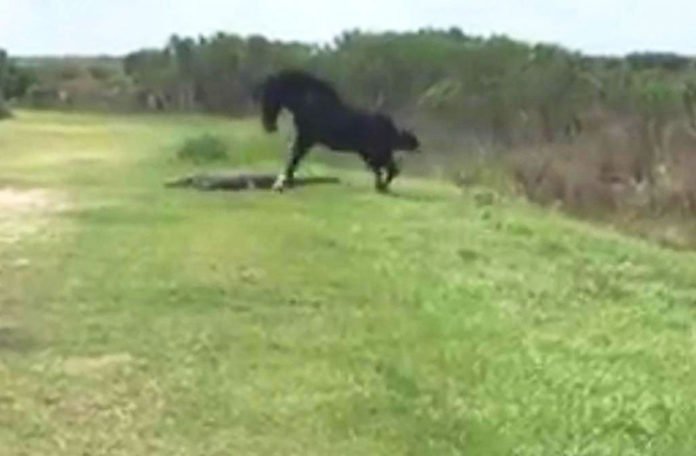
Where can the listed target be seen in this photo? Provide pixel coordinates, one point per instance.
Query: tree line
(14, 82)
(495, 87)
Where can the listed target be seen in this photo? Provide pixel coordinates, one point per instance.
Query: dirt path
(22, 212)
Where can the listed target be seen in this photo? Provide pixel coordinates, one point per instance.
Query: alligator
(240, 181)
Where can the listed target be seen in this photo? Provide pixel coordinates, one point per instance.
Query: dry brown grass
(625, 171)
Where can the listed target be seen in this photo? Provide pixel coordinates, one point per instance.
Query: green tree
(4, 72)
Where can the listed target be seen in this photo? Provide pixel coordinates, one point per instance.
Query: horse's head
(268, 95)
(406, 140)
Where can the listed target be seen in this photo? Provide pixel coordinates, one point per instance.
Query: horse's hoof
(279, 184)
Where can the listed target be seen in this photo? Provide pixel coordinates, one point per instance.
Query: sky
(60, 27)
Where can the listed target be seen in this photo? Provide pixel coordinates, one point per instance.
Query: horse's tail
(267, 95)
(398, 139)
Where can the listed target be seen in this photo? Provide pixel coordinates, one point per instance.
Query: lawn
(328, 320)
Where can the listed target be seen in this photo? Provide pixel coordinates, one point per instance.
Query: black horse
(322, 117)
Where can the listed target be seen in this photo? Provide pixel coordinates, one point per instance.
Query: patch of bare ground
(23, 212)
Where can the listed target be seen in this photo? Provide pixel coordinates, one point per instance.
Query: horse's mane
(275, 91)
(301, 81)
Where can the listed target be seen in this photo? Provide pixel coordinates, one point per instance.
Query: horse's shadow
(413, 197)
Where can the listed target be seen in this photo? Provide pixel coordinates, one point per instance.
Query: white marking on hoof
(279, 184)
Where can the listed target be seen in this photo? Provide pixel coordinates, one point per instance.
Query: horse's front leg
(298, 150)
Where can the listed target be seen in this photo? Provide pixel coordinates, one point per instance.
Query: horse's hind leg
(376, 169)
(380, 183)
(392, 172)
(384, 174)
(298, 150)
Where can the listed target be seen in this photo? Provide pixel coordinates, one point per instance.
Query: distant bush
(101, 73)
(4, 110)
(69, 72)
(202, 149)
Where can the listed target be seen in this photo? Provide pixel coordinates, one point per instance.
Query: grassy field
(329, 320)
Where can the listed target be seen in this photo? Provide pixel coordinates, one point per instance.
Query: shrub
(100, 73)
(5, 112)
(69, 72)
(202, 149)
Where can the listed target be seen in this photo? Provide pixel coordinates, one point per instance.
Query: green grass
(328, 320)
